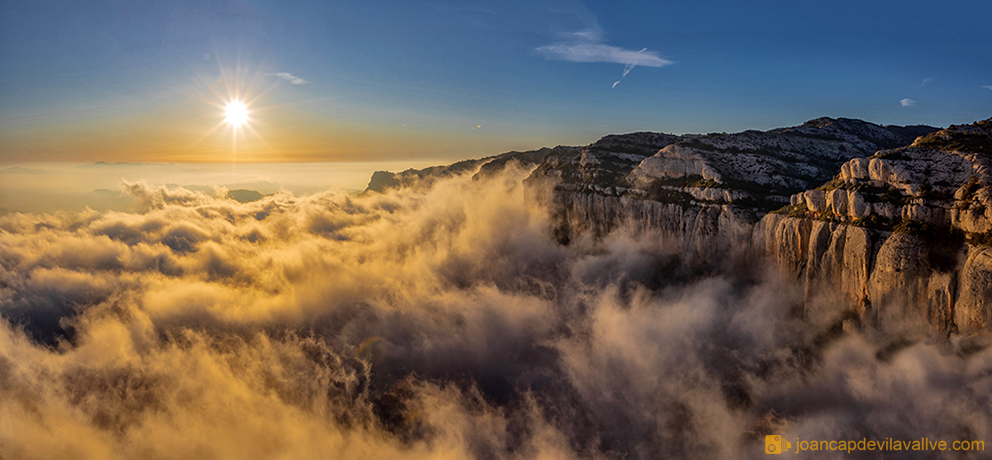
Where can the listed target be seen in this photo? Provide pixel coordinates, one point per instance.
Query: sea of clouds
(427, 322)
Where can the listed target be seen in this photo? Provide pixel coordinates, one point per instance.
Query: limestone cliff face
(883, 275)
(973, 308)
(879, 275)
(704, 237)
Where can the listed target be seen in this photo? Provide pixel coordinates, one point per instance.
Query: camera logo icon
(775, 444)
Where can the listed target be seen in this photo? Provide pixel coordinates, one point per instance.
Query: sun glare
(236, 113)
(239, 103)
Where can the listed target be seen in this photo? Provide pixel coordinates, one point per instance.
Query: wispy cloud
(907, 102)
(925, 81)
(599, 52)
(987, 86)
(289, 77)
(589, 46)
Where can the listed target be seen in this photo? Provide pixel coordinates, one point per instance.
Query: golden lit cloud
(436, 321)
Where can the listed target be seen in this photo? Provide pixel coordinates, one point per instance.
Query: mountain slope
(884, 221)
(753, 168)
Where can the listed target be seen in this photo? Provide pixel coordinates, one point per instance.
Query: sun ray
(212, 130)
(252, 84)
(261, 94)
(258, 135)
(220, 96)
(288, 105)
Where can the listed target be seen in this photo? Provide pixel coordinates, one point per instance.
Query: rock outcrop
(483, 167)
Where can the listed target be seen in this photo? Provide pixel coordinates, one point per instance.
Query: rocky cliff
(919, 218)
(872, 221)
(384, 180)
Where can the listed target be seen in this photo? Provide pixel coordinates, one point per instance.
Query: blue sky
(388, 80)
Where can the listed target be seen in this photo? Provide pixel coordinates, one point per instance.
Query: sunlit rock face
(752, 168)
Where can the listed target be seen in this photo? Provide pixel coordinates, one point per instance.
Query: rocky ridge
(385, 180)
(753, 168)
(892, 220)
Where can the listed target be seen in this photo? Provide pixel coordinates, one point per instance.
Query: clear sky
(401, 80)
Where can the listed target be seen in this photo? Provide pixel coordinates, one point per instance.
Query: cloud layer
(428, 322)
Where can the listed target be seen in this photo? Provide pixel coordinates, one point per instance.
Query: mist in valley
(440, 321)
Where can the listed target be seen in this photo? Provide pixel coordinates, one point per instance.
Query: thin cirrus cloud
(290, 78)
(907, 102)
(588, 46)
(987, 86)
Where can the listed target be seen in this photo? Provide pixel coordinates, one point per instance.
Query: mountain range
(872, 221)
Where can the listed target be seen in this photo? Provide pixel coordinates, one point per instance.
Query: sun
(236, 113)
(237, 97)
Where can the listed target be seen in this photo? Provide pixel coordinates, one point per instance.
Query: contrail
(628, 67)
